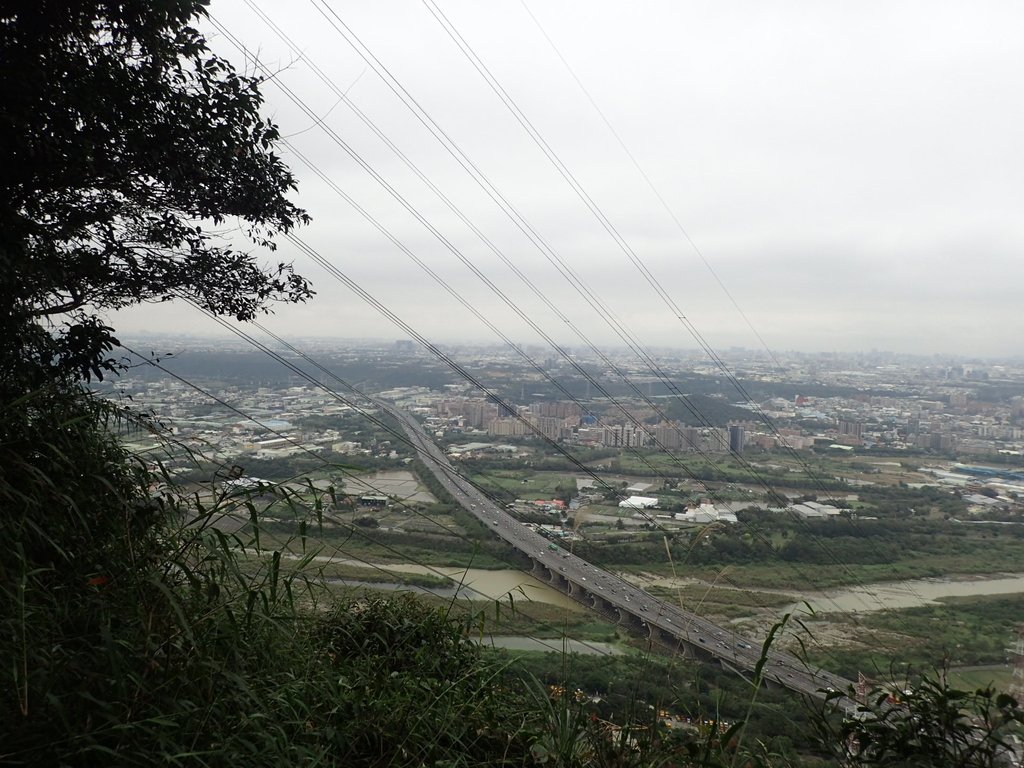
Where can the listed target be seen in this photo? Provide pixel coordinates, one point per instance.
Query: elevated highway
(616, 599)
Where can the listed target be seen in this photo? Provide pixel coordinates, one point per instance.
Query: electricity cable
(223, 403)
(650, 184)
(767, 486)
(603, 220)
(458, 297)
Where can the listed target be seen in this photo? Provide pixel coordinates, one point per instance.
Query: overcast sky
(851, 172)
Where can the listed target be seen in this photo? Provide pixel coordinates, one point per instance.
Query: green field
(525, 484)
(716, 602)
(803, 576)
(999, 677)
(374, 546)
(523, 617)
(956, 632)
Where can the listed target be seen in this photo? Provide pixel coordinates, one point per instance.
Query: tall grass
(134, 631)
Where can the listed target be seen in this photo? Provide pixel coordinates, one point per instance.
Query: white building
(812, 509)
(706, 513)
(639, 502)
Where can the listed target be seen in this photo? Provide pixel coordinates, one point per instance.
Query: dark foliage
(930, 724)
(129, 153)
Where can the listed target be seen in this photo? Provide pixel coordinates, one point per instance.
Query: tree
(928, 725)
(129, 153)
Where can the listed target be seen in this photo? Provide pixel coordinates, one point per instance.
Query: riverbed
(878, 596)
(909, 594)
(469, 583)
(481, 584)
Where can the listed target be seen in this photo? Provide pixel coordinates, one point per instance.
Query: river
(470, 583)
(909, 594)
(481, 584)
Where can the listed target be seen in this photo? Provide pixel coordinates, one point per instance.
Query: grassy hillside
(134, 632)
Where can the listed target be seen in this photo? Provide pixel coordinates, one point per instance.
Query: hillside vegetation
(133, 631)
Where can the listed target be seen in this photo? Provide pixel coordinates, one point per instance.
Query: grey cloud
(852, 172)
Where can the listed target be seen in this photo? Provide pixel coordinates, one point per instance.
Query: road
(609, 594)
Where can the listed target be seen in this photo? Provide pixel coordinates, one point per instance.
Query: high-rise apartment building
(737, 438)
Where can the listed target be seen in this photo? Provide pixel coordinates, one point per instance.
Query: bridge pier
(631, 622)
(605, 606)
(661, 637)
(771, 682)
(577, 592)
(730, 667)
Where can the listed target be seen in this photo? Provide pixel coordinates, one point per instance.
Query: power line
(453, 364)
(453, 149)
(696, 413)
(607, 225)
(305, 449)
(455, 294)
(477, 175)
(650, 184)
(458, 297)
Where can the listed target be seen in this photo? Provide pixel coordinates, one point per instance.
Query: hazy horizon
(223, 337)
(851, 174)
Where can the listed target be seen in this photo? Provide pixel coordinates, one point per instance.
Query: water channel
(481, 584)
(469, 583)
(909, 594)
